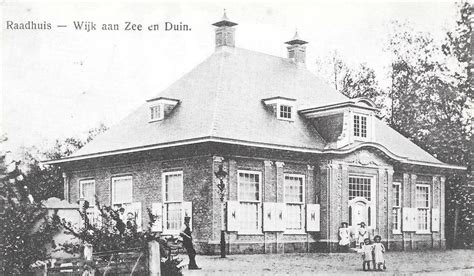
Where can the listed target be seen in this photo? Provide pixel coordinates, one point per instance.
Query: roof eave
(256, 144)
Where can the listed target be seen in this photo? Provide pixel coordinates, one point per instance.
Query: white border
(259, 230)
(427, 231)
(163, 196)
(303, 204)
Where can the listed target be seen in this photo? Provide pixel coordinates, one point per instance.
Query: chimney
(297, 49)
(225, 32)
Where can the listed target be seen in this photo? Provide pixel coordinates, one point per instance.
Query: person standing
(188, 244)
(344, 237)
(362, 233)
(378, 249)
(367, 257)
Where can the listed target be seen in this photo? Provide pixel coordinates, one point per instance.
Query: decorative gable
(159, 108)
(283, 108)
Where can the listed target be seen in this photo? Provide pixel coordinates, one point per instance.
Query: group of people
(371, 252)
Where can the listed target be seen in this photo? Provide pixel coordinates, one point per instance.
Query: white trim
(165, 202)
(368, 128)
(259, 202)
(112, 188)
(427, 208)
(256, 144)
(81, 188)
(302, 204)
(373, 198)
(161, 114)
(292, 113)
(399, 207)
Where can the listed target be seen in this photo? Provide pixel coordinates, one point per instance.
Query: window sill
(396, 232)
(155, 120)
(423, 232)
(170, 233)
(250, 233)
(294, 232)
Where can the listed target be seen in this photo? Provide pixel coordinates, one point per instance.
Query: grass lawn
(450, 262)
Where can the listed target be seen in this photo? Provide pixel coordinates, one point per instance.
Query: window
(173, 198)
(294, 199)
(360, 187)
(156, 113)
(362, 198)
(285, 112)
(360, 126)
(396, 209)
(423, 206)
(87, 191)
(122, 190)
(249, 184)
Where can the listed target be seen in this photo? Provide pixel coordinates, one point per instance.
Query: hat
(187, 218)
(342, 223)
(361, 223)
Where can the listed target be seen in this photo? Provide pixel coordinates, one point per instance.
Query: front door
(360, 212)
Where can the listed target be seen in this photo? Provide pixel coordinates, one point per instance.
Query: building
(300, 159)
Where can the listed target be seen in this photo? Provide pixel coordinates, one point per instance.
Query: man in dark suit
(188, 244)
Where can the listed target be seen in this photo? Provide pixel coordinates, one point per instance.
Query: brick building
(301, 158)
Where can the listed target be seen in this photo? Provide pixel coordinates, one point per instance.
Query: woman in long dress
(362, 234)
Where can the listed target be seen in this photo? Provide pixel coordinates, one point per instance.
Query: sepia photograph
(236, 137)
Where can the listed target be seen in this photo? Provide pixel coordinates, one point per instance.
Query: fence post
(154, 259)
(89, 261)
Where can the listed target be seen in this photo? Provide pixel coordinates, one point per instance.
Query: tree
(25, 228)
(353, 81)
(430, 104)
(44, 182)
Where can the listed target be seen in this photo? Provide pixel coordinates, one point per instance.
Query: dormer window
(283, 108)
(286, 112)
(156, 113)
(360, 126)
(159, 108)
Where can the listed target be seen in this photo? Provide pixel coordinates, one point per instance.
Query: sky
(62, 82)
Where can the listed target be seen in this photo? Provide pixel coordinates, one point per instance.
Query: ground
(451, 262)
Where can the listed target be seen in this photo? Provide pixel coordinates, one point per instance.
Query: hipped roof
(221, 100)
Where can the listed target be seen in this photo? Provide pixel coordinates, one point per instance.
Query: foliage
(44, 182)
(430, 101)
(25, 228)
(354, 81)
(108, 230)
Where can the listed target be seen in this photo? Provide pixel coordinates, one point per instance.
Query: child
(366, 250)
(362, 234)
(378, 250)
(344, 237)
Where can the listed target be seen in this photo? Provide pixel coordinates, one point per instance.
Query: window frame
(398, 208)
(160, 114)
(302, 204)
(258, 202)
(359, 126)
(81, 189)
(167, 202)
(292, 112)
(427, 208)
(112, 197)
(373, 198)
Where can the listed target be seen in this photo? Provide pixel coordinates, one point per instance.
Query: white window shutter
(269, 218)
(435, 220)
(280, 216)
(232, 216)
(187, 211)
(313, 217)
(157, 211)
(409, 219)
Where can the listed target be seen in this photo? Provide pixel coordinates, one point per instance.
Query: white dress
(344, 235)
(367, 252)
(379, 249)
